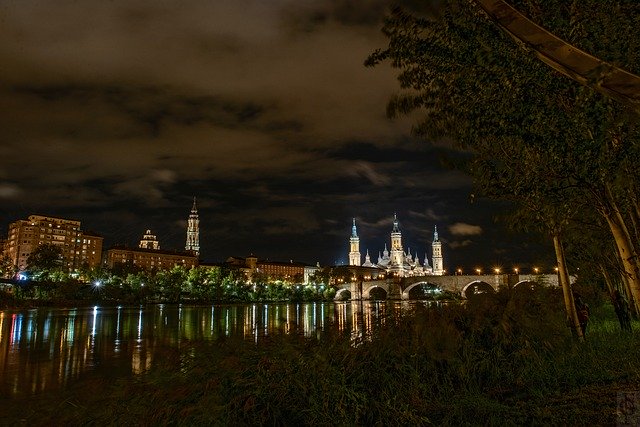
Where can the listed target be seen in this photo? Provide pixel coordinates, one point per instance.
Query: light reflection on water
(47, 349)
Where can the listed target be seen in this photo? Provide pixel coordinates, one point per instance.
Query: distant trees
(178, 284)
(45, 263)
(558, 150)
(7, 269)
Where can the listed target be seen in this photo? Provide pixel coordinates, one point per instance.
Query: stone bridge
(464, 285)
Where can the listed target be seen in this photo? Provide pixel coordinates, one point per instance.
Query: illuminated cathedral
(396, 261)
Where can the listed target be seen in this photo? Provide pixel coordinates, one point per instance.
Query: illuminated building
(397, 262)
(148, 259)
(149, 241)
(193, 231)
(354, 243)
(78, 249)
(289, 271)
(148, 256)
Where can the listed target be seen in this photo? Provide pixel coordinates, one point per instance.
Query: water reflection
(46, 349)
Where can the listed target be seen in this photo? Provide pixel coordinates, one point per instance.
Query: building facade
(78, 249)
(122, 257)
(288, 271)
(397, 261)
(148, 256)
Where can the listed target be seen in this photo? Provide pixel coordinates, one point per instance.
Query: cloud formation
(118, 113)
(463, 229)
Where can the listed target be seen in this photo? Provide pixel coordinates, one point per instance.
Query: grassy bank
(505, 361)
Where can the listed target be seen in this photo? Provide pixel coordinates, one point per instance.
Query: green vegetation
(505, 360)
(198, 284)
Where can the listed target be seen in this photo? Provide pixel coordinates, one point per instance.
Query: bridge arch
(431, 288)
(375, 293)
(477, 287)
(526, 286)
(342, 295)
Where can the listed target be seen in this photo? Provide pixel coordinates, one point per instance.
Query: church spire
(193, 231)
(354, 231)
(435, 233)
(396, 228)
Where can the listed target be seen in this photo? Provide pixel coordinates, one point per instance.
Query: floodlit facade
(148, 256)
(291, 270)
(149, 241)
(148, 259)
(79, 249)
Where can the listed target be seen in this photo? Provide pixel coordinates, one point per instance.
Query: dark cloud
(118, 113)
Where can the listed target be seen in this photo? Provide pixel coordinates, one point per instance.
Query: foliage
(45, 262)
(7, 269)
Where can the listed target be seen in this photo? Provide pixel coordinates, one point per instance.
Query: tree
(7, 268)
(45, 261)
(171, 283)
(197, 283)
(537, 138)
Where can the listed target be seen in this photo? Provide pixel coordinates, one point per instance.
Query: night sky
(117, 113)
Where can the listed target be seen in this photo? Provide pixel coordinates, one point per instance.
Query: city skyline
(118, 114)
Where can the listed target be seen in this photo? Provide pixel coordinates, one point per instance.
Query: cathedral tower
(436, 246)
(396, 243)
(193, 231)
(354, 242)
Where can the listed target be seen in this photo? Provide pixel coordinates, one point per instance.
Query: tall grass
(505, 360)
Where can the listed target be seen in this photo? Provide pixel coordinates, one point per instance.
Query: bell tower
(397, 254)
(436, 246)
(193, 231)
(354, 243)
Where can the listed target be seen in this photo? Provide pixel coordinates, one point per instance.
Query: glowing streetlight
(459, 272)
(536, 270)
(515, 270)
(478, 271)
(97, 283)
(497, 270)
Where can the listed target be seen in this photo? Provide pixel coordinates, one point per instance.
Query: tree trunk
(607, 280)
(563, 275)
(626, 251)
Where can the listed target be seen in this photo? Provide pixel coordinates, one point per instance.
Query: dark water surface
(45, 349)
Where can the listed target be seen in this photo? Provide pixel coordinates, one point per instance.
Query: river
(46, 349)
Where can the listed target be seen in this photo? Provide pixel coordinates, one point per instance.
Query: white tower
(354, 243)
(436, 246)
(397, 254)
(149, 241)
(193, 231)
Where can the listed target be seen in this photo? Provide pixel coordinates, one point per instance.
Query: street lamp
(515, 269)
(479, 271)
(536, 270)
(497, 270)
(459, 272)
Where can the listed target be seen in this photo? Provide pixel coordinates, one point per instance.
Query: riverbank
(501, 362)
